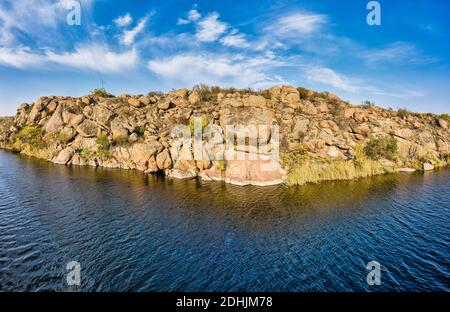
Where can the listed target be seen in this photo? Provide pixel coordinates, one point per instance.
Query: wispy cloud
(124, 20)
(396, 53)
(94, 57)
(331, 78)
(210, 28)
(235, 39)
(192, 16)
(298, 23)
(220, 69)
(20, 57)
(359, 86)
(129, 36)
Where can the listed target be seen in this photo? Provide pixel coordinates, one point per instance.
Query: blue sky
(138, 46)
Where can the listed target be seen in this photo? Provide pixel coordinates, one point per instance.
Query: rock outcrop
(237, 136)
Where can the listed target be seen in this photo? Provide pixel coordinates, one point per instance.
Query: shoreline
(239, 183)
(282, 135)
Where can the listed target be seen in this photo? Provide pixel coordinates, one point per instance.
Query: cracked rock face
(237, 136)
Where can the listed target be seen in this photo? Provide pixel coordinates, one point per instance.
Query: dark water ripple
(130, 231)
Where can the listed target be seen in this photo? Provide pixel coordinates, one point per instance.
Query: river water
(131, 231)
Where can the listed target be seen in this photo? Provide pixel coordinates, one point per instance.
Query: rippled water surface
(130, 231)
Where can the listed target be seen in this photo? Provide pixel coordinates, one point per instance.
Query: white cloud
(124, 20)
(128, 36)
(396, 53)
(36, 20)
(193, 15)
(92, 57)
(295, 24)
(362, 87)
(210, 28)
(21, 57)
(235, 40)
(182, 21)
(330, 77)
(214, 69)
(96, 57)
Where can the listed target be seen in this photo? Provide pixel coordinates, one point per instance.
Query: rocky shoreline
(308, 136)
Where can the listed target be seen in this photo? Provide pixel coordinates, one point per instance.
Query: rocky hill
(309, 136)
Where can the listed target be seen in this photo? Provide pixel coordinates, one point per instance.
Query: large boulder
(135, 102)
(67, 134)
(275, 92)
(102, 114)
(87, 100)
(254, 170)
(142, 152)
(290, 95)
(442, 145)
(427, 167)
(163, 160)
(151, 165)
(72, 119)
(194, 98)
(254, 101)
(35, 113)
(252, 122)
(184, 169)
(405, 133)
(51, 107)
(164, 104)
(119, 132)
(231, 102)
(442, 123)
(55, 122)
(64, 156)
(308, 108)
(145, 100)
(87, 129)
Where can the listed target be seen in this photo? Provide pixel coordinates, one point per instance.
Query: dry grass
(314, 171)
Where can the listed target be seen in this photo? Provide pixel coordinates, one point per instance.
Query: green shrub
(62, 137)
(377, 148)
(337, 110)
(155, 93)
(368, 104)
(220, 165)
(300, 150)
(100, 92)
(446, 158)
(141, 130)
(206, 93)
(102, 145)
(31, 135)
(403, 113)
(445, 117)
(359, 155)
(303, 93)
(86, 155)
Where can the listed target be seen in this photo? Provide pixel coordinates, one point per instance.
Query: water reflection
(132, 231)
